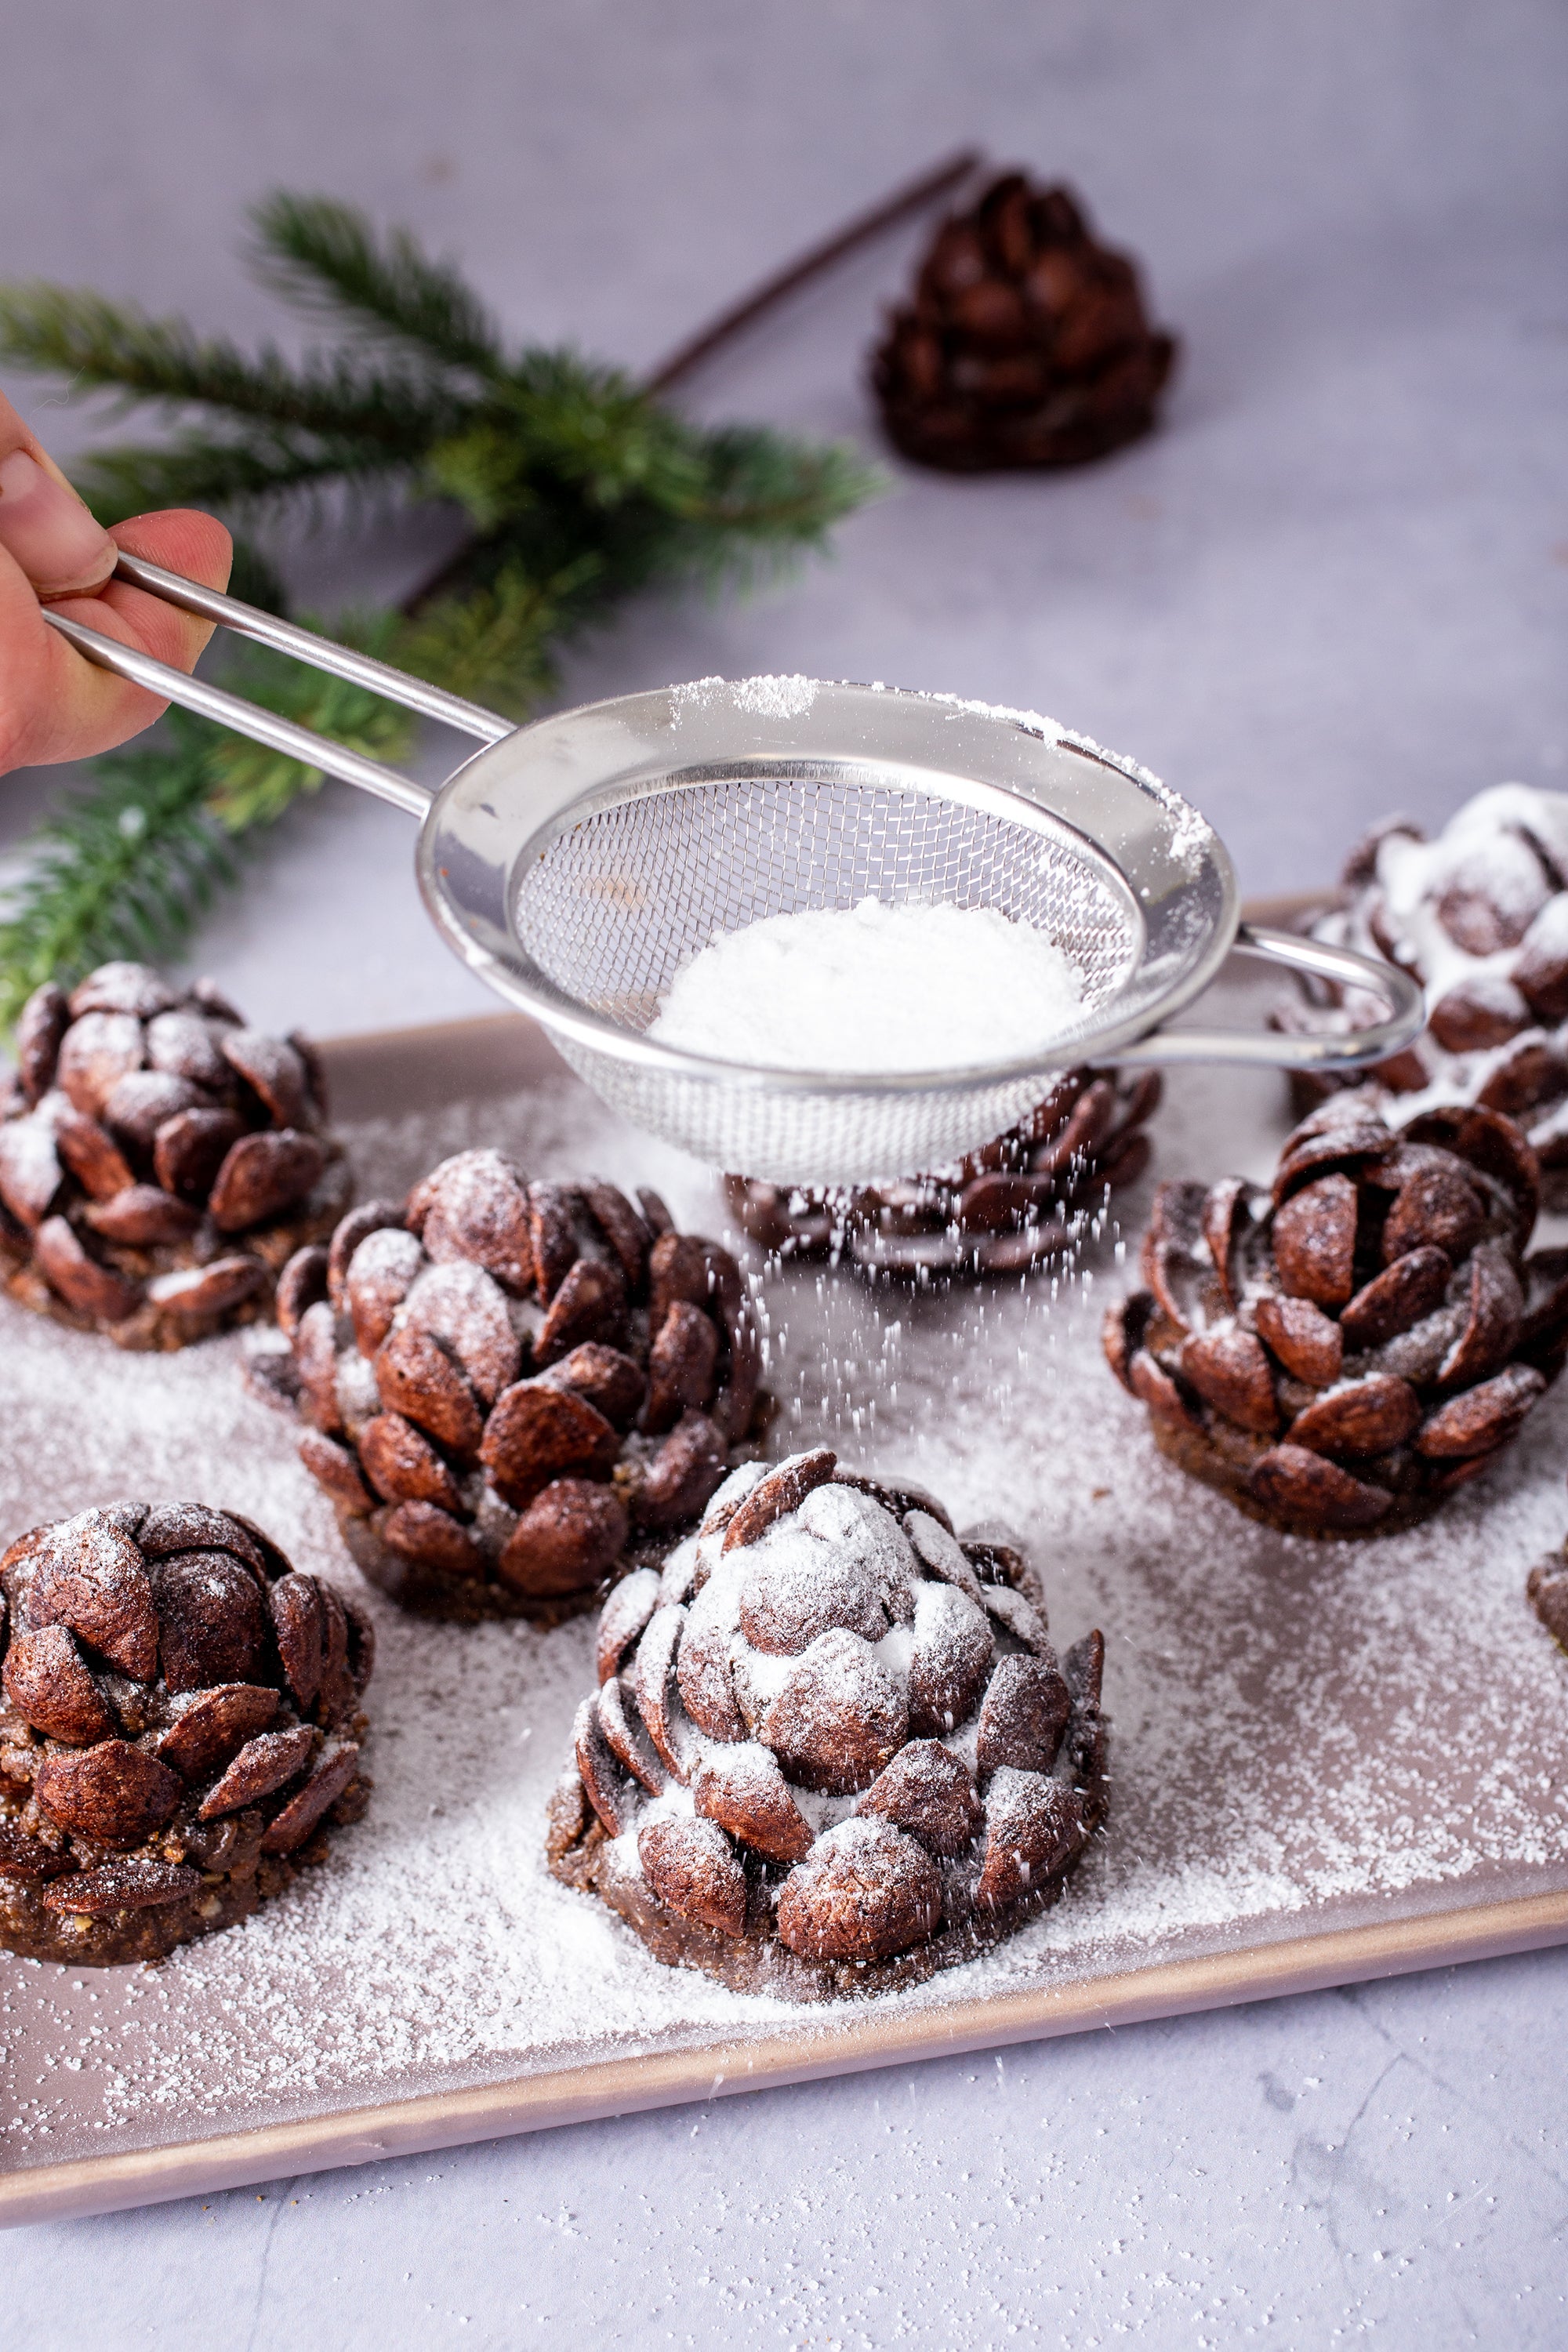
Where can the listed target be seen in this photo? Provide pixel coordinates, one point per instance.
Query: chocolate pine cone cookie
(158, 1159)
(1340, 1355)
(832, 1749)
(508, 1383)
(1021, 1200)
(1026, 343)
(1480, 917)
(181, 1729)
(1546, 1590)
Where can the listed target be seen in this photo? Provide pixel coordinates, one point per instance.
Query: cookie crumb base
(117, 1938)
(424, 1591)
(757, 1962)
(154, 1330)
(1197, 1455)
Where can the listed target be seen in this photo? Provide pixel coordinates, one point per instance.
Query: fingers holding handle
(54, 705)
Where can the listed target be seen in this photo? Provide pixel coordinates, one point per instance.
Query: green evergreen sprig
(578, 487)
(126, 868)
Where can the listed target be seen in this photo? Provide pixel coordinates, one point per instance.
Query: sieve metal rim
(606, 754)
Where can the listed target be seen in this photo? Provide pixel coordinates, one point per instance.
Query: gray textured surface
(1335, 583)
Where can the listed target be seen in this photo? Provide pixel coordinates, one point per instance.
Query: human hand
(54, 703)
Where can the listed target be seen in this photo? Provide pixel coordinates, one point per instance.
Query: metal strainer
(577, 863)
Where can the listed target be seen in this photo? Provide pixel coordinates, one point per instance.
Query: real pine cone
(1026, 343)
(1019, 1202)
(1479, 915)
(158, 1159)
(181, 1729)
(509, 1382)
(832, 1749)
(1339, 1355)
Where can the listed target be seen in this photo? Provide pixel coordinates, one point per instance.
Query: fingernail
(49, 531)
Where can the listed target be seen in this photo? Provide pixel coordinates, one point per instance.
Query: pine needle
(113, 346)
(494, 645)
(325, 256)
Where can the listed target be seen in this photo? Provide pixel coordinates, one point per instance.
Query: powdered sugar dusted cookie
(833, 1749)
(1479, 915)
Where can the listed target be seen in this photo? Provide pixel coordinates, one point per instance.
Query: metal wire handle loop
(1272, 1049)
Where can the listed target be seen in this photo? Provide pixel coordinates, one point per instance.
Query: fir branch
(582, 485)
(767, 499)
(252, 786)
(493, 644)
(113, 346)
(131, 866)
(593, 427)
(127, 868)
(238, 477)
(325, 256)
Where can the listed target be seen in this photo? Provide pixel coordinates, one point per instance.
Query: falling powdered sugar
(874, 988)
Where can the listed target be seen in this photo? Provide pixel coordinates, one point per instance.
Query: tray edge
(628, 2085)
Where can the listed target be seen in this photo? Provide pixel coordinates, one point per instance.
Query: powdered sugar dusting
(758, 698)
(1303, 1735)
(1487, 851)
(776, 697)
(1190, 832)
(1033, 722)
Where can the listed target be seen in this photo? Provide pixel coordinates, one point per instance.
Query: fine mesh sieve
(578, 863)
(615, 905)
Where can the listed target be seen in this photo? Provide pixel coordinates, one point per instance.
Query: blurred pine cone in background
(1027, 344)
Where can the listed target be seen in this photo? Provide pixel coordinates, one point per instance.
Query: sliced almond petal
(1364, 1417)
(1230, 1368)
(1307, 1490)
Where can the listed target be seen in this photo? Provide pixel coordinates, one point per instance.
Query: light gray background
(1336, 583)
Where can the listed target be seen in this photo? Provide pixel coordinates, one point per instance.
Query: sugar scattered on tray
(1300, 1732)
(917, 986)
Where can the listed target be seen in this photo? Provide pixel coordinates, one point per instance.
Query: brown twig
(913, 198)
(811, 264)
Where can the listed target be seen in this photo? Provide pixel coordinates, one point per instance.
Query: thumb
(44, 526)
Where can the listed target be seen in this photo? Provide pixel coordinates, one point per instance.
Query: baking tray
(1329, 1763)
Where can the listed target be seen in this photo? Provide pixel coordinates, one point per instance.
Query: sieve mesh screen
(623, 899)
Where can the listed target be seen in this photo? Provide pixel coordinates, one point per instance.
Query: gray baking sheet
(1329, 1760)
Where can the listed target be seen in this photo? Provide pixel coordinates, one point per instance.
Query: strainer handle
(1272, 1049)
(265, 726)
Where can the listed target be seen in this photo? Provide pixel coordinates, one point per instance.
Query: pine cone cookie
(1018, 1202)
(1341, 1354)
(181, 1729)
(509, 1382)
(1480, 917)
(1546, 1590)
(158, 1159)
(1026, 343)
(832, 1749)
